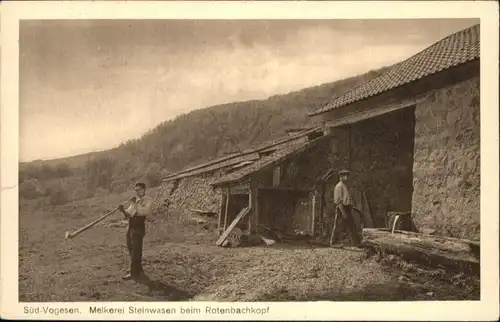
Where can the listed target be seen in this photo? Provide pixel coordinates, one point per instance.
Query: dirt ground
(182, 263)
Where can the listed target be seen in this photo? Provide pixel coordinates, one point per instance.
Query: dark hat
(344, 172)
(141, 185)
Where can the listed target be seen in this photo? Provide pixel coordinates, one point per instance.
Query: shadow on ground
(372, 292)
(162, 291)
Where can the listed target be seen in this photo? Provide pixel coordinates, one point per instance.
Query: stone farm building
(410, 137)
(196, 188)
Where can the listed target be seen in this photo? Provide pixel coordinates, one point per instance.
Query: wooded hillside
(190, 138)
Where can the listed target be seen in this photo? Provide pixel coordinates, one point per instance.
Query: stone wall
(190, 192)
(382, 161)
(447, 161)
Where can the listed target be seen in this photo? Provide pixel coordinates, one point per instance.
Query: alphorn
(92, 224)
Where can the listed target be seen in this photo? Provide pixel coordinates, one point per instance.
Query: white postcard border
(487, 11)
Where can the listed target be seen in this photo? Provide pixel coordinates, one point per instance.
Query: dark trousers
(353, 225)
(135, 238)
(351, 222)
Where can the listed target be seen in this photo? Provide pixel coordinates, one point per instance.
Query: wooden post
(227, 208)
(250, 219)
(250, 194)
(322, 207)
(222, 205)
(250, 202)
(349, 142)
(255, 214)
(253, 203)
(313, 226)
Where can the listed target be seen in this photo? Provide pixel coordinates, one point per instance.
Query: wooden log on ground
(452, 253)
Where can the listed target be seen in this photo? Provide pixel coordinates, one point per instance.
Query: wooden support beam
(321, 207)
(255, 207)
(240, 189)
(222, 208)
(250, 196)
(227, 209)
(370, 112)
(313, 221)
(245, 211)
(291, 189)
(349, 147)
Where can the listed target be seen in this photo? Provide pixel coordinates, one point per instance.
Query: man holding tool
(343, 201)
(140, 208)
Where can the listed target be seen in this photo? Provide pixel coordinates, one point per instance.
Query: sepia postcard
(230, 160)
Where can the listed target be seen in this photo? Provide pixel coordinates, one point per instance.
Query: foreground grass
(183, 263)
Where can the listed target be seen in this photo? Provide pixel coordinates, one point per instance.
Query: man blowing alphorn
(140, 208)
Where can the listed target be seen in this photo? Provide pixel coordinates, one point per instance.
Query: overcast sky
(90, 85)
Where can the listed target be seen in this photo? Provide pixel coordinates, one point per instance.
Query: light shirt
(341, 194)
(142, 207)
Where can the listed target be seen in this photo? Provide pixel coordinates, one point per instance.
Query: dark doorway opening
(381, 162)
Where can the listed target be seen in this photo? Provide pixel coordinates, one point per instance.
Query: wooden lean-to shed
(260, 197)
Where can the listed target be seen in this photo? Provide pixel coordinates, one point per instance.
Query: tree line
(60, 183)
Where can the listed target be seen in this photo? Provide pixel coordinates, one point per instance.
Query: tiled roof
(264, 162)
(456, 49)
